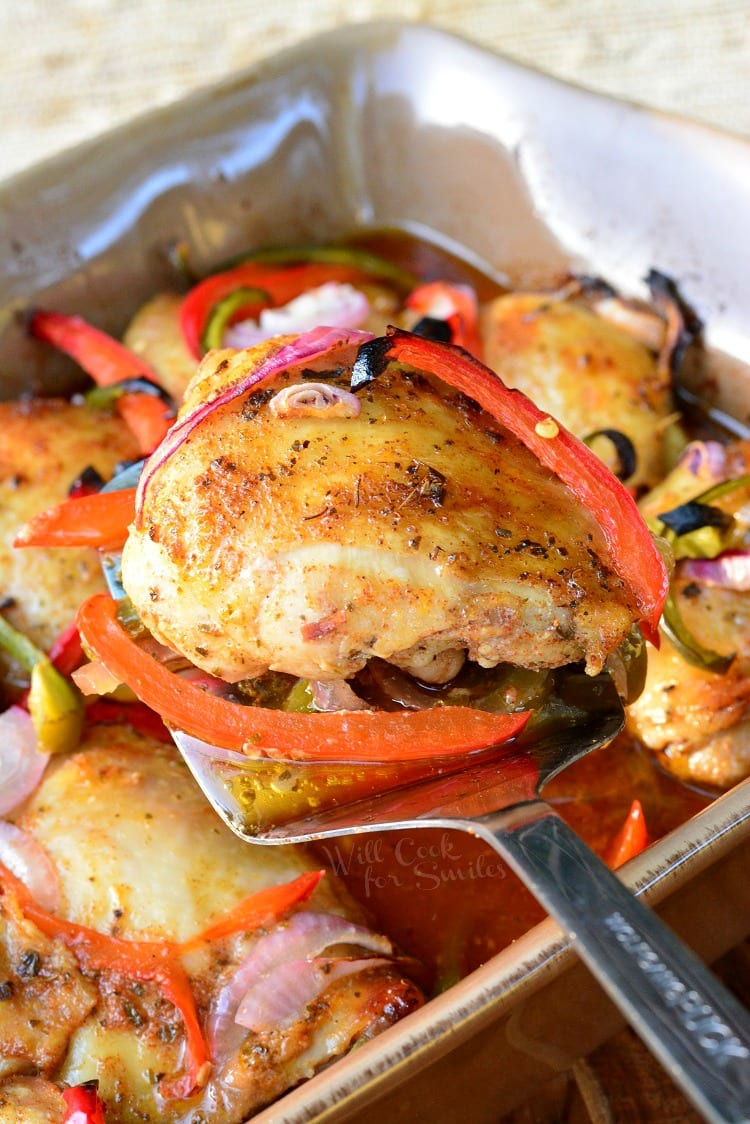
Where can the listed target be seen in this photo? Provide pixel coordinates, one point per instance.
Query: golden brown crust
(43, 995)
(30, 1100)
(582, 369)
(149, 860)
(308, 545)
(45, 444)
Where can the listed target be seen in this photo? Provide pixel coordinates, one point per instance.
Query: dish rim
(490, 990)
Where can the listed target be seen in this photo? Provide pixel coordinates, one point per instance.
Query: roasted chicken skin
(45, 444)
(418, 531)
(586, 370)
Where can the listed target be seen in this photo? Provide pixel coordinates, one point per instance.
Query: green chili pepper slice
(54, 704)
(691, 650)
(380, 269)
(222, 312)
(56, 709)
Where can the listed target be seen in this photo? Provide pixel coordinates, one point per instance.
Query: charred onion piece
(86, 483)
(701, 513)
(683, 324)
(372, 359)
(430, 328)
(583, 284)
(693, 515)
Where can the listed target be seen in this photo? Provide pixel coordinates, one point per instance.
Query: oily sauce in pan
(448, 899)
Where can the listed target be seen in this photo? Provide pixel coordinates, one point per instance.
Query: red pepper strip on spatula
(338, 736)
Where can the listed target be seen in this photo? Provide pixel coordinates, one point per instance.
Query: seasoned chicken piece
(45, 444)
(163, 865)
(585, 370)
(698, 720)
(150, 861)
(30, 1100)
(418, 531)
(36, 974)
(155, 334)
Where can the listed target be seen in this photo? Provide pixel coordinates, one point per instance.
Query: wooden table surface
(71, 70)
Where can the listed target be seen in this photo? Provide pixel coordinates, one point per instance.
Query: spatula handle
(698, 1031)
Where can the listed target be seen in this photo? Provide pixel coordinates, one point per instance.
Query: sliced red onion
(315, 400)
(731, 570)
(639, 321)
(282, 998)
(304, 936)
(334, 304)
(303, 349)
(706, 459)
(25, 858)
(21, 761)
(335, 695)
(209, 683)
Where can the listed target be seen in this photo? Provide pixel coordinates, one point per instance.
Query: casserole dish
(401, 126)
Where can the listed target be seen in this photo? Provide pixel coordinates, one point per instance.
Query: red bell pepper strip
(634, 554)
(630, 840)
(142, 960)
(373, 265)
(101, 356)
(83, 1104)
(135, 714)
(342, 736)
(258, 909)
(108, 362)
(67, 653)
(457, 305)
(281, 284)
(148, 419)
(100, 520)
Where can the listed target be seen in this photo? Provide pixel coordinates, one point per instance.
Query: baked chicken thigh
(145, 866)
(300, 528)
(596, 372)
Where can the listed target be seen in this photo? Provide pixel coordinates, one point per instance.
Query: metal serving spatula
(698, 1031)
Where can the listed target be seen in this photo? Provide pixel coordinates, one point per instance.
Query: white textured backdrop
(70, 69)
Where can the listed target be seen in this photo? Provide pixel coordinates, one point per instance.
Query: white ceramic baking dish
(400, 125)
